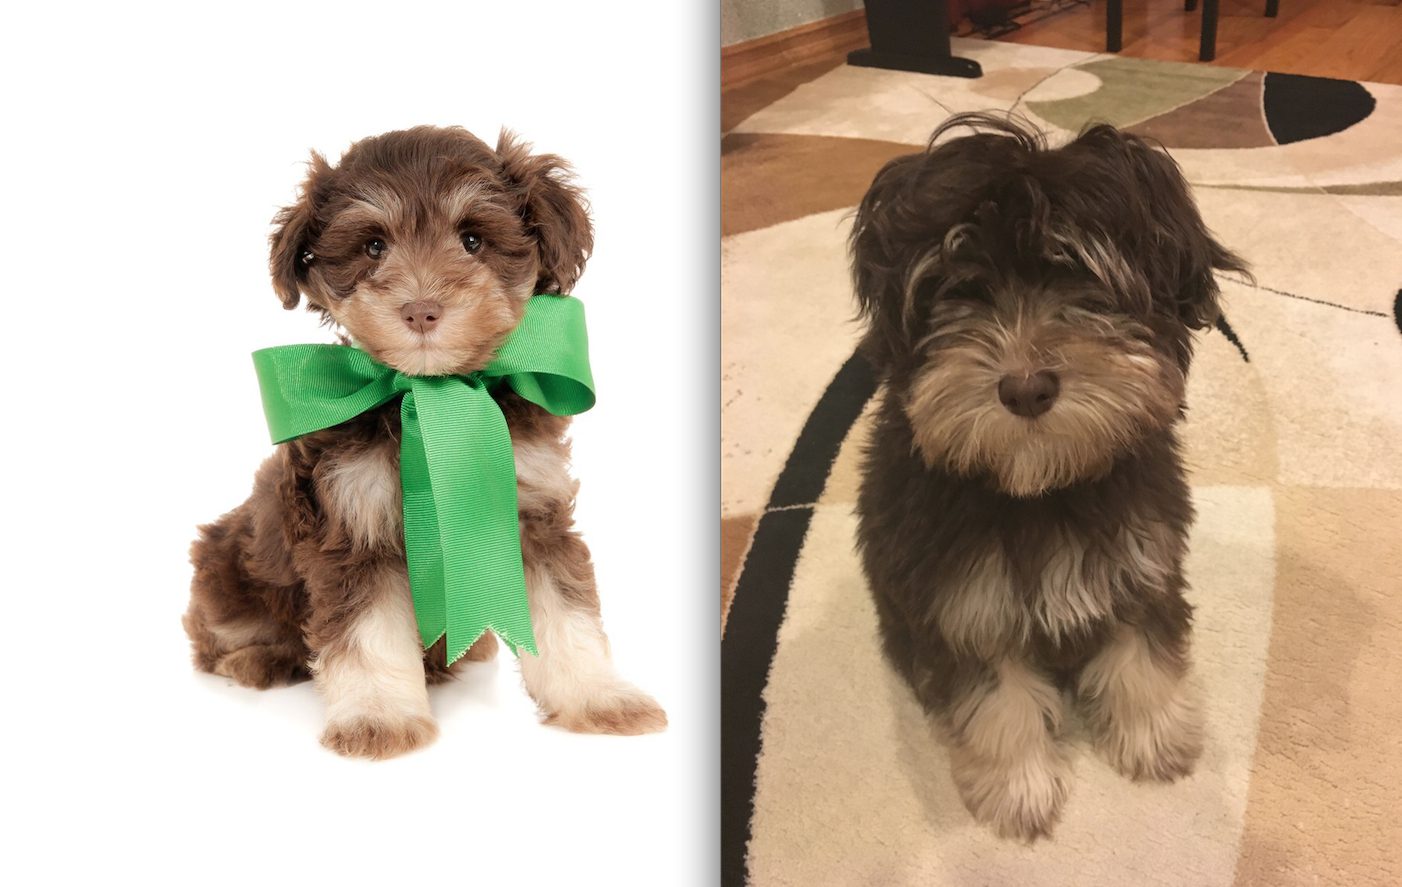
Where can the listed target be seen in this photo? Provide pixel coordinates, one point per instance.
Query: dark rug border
(761, 597)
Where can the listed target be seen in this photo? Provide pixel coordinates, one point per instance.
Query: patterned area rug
(831, 774)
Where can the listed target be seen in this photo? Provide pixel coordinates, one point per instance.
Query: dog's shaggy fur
(308, 578)
(1023, 510)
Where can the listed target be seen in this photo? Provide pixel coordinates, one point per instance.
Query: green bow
(461, 532)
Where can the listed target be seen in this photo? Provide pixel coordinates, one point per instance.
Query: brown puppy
(424, 247)
(1024, 511)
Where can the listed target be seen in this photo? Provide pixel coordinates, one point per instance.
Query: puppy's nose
(421, 316)
(1029, 396)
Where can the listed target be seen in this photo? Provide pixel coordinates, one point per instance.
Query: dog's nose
(421, 316)
(1029, 396)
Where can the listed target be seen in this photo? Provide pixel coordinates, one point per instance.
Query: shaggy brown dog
(424, 247)
(1023, 511)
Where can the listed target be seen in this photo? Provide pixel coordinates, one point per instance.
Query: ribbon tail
(466, 440)
(422, 539)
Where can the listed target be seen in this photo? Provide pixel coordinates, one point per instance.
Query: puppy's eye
(471, 242)
(375, 247)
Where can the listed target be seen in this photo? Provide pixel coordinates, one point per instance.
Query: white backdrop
(145, 149)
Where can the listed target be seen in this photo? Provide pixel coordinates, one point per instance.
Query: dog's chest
(1072, 590)
(1056, 586)
(361, 493)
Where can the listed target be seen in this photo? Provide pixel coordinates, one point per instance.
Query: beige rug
(831, 775)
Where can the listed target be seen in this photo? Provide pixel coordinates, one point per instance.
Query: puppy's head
(425, 244)
(1032, 308)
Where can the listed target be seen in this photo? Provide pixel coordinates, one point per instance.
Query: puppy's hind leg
(262, 666)
(233, 630)
(1007, 763)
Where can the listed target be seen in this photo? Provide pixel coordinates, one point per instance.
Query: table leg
(911, 35)
(1208, 50)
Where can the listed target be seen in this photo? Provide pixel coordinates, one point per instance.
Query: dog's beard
(420, 355)
(1110, 397)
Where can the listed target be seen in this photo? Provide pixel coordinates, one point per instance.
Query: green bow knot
(461, 530)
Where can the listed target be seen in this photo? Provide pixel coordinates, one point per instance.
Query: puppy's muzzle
(421, 316)
(1029, 396)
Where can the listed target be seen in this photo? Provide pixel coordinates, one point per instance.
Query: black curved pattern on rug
(1397, 311)
(1226, 330)
(1300, 108)
(761, 596)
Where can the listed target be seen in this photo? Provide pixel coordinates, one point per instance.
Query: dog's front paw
(1160, 745)
(1021, 800)
(378, 737)
(624, 710)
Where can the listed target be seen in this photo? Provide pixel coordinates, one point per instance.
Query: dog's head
(425, 244)
(1033, 308)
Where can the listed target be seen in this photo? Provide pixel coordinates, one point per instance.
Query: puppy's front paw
(377, 737)
(623, 710)
(1160, 745)
(1021, 799)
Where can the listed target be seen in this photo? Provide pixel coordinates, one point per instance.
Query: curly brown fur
(307, 578)
(1024, 513)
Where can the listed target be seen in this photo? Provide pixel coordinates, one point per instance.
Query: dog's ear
(553, 209)
(1170, 242)
(903, 228)
(290, 255)
(880, 245)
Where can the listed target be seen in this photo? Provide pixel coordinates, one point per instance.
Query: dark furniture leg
(911, 35)
(1190, 5)
(1114, 25)
(1208, 51)
(1272, 7)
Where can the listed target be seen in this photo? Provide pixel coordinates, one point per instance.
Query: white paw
(1020, 799)
(379, 737)
(1161, 745)
(621, 709)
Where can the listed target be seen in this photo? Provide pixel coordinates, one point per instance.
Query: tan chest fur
(990, 603)
(361, 494)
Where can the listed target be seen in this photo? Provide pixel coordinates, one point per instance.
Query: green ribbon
(462, 534)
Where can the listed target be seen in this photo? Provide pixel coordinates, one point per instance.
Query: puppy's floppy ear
(554, 211)
(880, 244)
(903, 225)
(1174, 248)
(293, 235)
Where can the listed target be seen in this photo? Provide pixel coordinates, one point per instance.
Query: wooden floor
(1349, 39)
